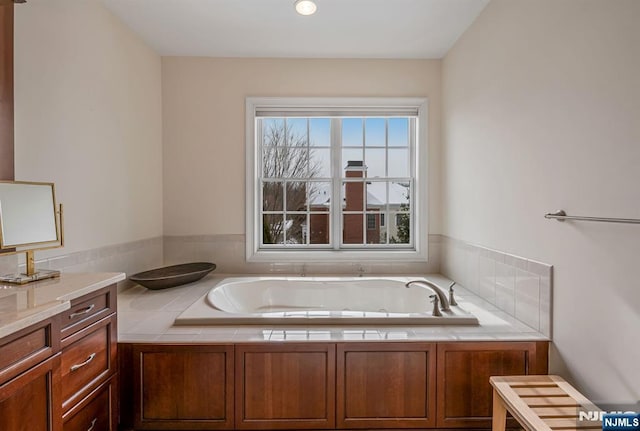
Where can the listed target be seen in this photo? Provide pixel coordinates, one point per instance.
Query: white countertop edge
(45, 313)
(114, 277)
(50, 310)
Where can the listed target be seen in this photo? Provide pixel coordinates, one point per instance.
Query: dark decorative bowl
(171, 276)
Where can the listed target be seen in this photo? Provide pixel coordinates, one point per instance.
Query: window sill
(370, 256)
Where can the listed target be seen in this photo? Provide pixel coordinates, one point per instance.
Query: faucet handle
(452, 300)
(436, 305)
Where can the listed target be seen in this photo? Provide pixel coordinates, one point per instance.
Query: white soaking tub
(319, 301)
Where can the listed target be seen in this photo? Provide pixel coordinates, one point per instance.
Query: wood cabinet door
(285, 386)
(386, 385)
(183, 386)
(464, 368)
(31, 401)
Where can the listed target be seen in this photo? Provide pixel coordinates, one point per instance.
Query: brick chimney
(354, 201)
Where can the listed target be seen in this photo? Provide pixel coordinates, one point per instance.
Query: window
(371, 221)
(325, 174)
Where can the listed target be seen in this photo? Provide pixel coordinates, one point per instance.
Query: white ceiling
(272, 28)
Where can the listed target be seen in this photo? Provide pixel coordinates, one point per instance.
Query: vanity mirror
(29, 221)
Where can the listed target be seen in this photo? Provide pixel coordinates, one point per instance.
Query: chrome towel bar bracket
(562, 216)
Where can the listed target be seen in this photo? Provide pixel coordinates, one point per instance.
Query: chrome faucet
(444, 302)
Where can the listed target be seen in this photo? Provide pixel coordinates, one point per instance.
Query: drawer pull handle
(81, 312)
(93, 424)
(82, 364)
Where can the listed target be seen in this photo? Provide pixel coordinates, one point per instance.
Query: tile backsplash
(129, 257)
(518, 286)
(228, 253)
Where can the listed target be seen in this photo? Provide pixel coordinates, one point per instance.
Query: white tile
(471, 275)
(137, 338)
(177, 338)
(538, 268)
(360, 335)
(396, 334)
(158, 323)
(252, 334)
(227, 330)
(487, 279)
(528, 298)
(505, 288)
(215, 338)
(185, 329)
(516, 261)
(545, 306)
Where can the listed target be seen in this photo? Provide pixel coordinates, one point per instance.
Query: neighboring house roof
(397, 196)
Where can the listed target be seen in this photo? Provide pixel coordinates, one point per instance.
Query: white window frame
(337, 106)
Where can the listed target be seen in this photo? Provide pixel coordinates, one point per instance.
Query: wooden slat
(553, 391)
(565, 401)
(534, 385)
(525, 380)
(556, 412)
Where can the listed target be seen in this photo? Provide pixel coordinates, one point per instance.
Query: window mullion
(336, 175)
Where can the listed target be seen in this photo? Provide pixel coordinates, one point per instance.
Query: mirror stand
(31, 274)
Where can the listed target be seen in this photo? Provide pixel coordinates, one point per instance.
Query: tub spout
(444, 302)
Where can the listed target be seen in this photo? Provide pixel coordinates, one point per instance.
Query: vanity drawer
(28, 347)
(96, 412)
(89, 359)
(88, 309)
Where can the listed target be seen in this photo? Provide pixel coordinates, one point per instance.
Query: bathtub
(319, 301)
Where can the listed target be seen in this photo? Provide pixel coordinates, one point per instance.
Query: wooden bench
(540, 403)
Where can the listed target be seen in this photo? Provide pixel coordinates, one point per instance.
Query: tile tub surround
(228, 253)
(146, 316)
(520, 287)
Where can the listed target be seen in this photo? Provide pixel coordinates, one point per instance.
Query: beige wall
(541, 112)
(88, 117)
(204, 123)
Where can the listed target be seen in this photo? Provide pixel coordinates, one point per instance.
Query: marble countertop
(25, 305)
(147, 316)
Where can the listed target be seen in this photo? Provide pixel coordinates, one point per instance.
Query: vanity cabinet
(465, 397)
(60, 373)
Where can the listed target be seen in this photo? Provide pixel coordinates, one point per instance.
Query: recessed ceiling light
(305, 7)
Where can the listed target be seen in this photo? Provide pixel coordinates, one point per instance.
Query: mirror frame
(12, 247)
